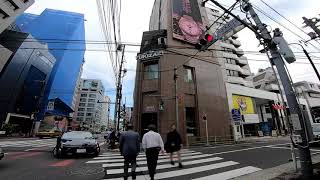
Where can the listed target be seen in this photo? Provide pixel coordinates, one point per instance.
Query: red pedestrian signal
(209, 37)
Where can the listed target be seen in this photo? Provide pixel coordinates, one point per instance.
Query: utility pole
(175, 77)
(312, 23)
(271, 45)
(119, 92)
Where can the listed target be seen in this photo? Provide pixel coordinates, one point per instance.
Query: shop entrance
(146, 120)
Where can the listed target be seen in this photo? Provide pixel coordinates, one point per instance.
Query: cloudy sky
(135, 19)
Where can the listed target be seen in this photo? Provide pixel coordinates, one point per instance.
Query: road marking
(187, 171)
(165, 166)
(247, 149)
(142, 156)
(108, 154)
(231, 174)
(62, 163)
(101, 144)
(26, 154)
(145, 162)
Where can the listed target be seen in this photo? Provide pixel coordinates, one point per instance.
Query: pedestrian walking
(112, 139)
(129, 149)
(173, 144)
(153, 144)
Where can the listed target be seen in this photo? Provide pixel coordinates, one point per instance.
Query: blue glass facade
(64, 33)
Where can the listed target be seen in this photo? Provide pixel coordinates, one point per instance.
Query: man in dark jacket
(129, 148)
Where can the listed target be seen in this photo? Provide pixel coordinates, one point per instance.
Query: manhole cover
(85, 171)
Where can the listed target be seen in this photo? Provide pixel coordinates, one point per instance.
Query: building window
(312, 85)
(188, 77)
(84, 95)
(3, 14)
(268, 110)
(80, 114)
(79, 119)
(11, 4)
(82, 104)
(89, 114)
(91, 100)
(92, 96)
(88, 119)
(83, 99)
(90, 105)
(80, 109)
(151, 71)
(90, 109)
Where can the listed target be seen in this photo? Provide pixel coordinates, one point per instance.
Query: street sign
(229, 29)
(50, 106)
(204, 117)
(236, 114)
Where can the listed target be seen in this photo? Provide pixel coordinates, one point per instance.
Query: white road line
(117, 158)
(247, 149)
(101, 144)
(108, 154)
(165, 166)
(277, 147)
(145, 162)
(231, 174)
(187, 171)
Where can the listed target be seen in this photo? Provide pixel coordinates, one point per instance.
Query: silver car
(1, 154)
(79, 142)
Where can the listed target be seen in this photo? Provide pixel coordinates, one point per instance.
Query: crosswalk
(32, 143)
(197, 166)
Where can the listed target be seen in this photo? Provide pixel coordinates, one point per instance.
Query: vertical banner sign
(187, 22)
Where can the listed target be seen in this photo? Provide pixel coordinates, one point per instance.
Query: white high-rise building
(234, 64)
(88, 111)
(105, 115)
(10, 9)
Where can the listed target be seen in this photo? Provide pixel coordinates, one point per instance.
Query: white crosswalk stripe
(29, 143)
(197, 166)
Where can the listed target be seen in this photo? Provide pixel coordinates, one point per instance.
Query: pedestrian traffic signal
(204, 43)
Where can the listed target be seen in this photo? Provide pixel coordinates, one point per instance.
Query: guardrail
(212, 140)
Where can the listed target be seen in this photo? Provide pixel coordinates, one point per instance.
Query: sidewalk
(282, 172)
(255, 139)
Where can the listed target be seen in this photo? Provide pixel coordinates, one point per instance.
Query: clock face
(189, 26)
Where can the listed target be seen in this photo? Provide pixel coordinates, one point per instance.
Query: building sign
(244, 103)
(278, 106)
(150, 109)
(149, 55)
(50, 106)
(187, 22)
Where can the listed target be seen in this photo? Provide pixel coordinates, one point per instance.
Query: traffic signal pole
(264, 36)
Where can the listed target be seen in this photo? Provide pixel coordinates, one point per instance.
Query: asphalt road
(33, 160)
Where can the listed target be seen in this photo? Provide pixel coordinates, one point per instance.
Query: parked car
(1, 154)
(79, 142)
(52, 133)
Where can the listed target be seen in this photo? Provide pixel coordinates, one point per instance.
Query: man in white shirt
(152, 143)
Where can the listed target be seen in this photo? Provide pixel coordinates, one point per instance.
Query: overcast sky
(135, 19)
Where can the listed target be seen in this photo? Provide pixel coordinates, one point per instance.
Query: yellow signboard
(243, 103)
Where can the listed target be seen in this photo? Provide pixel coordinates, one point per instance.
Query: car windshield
(77, 135)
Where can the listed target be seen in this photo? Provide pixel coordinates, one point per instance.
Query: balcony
(227, 45)
(235, 42)
(239, 52)
(234, 67)
(230, 55)
(235, 36)
(239, 80)
(243, 60)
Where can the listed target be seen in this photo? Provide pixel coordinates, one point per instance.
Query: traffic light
(205, 42)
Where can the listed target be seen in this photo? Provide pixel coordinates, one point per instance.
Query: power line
(274, 20)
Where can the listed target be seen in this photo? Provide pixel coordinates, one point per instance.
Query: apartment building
(88, 112)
